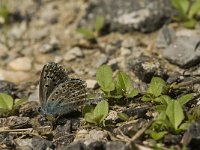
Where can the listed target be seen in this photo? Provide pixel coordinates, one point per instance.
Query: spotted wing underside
(52, 75)
(67, 97)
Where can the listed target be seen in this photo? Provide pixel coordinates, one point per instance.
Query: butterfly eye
(46, 85)
(52, 99)
(56, 92)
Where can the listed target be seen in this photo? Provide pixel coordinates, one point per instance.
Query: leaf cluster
(98, 114)
(8, 105)
(92, 34)
(120, 86)
(187, 10)
(171, 113)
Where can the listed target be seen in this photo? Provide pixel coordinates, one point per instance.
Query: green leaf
(182, 6)
(194, 9)
(184, 126)
(157, 86)
(97, 115)
(123, 116)
(148, 97)
(132, 93)
(157, 135)
(87, 109)
(184, 99)
(104, 78)
(163, 99)
(87, 33)
(160, 108)
(6, 101)
(99, 23)
(4, 13)
(123, 81)
(19, 102)
(89, 117)
(175, 113)
(190, 23)
(101, 111)
(124, 85)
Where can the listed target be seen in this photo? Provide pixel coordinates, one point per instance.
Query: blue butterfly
(58, 93)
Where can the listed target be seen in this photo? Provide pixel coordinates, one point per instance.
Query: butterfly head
(46, 116)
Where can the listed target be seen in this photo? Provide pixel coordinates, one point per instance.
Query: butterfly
(59, 94)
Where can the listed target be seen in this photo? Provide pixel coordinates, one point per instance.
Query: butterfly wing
(51, 76)
(66, 97)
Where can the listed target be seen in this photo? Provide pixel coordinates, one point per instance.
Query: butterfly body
(58, 93)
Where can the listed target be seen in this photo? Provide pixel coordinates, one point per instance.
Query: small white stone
(21, 64)
(97, 134)
(73, 53)
(69, 57)
(91, 84)
(76, 51)
(125, 51)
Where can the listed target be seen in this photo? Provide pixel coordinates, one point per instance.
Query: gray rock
(165, 37)
(24, 144)
(76, 51)
(116, 145)
(75, 146)
(73, 53)
(184, 51)
(101, 60)
(18, 30)
(192, 135)
(40, 143)
(34, 96)
(129, 15)
(52, 45)
(145, 67)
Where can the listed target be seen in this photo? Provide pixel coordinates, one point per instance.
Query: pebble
(73, 54)
(97, 134)
(24, 142)
(101, 60)
(125, 51)
(76, 51)
(165, 37)
(91, 84)
(14, 76)
(21, 64)
(35, 95)
(51, 46)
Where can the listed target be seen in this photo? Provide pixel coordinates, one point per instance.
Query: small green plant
(157, 87)
(92, 34)
(98, 114)
(119, 87)
(8, 105)
(171, 116)
(187, 10)
(4, 14)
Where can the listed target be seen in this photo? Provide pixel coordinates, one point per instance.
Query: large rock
(184, 51)
(129, 15)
